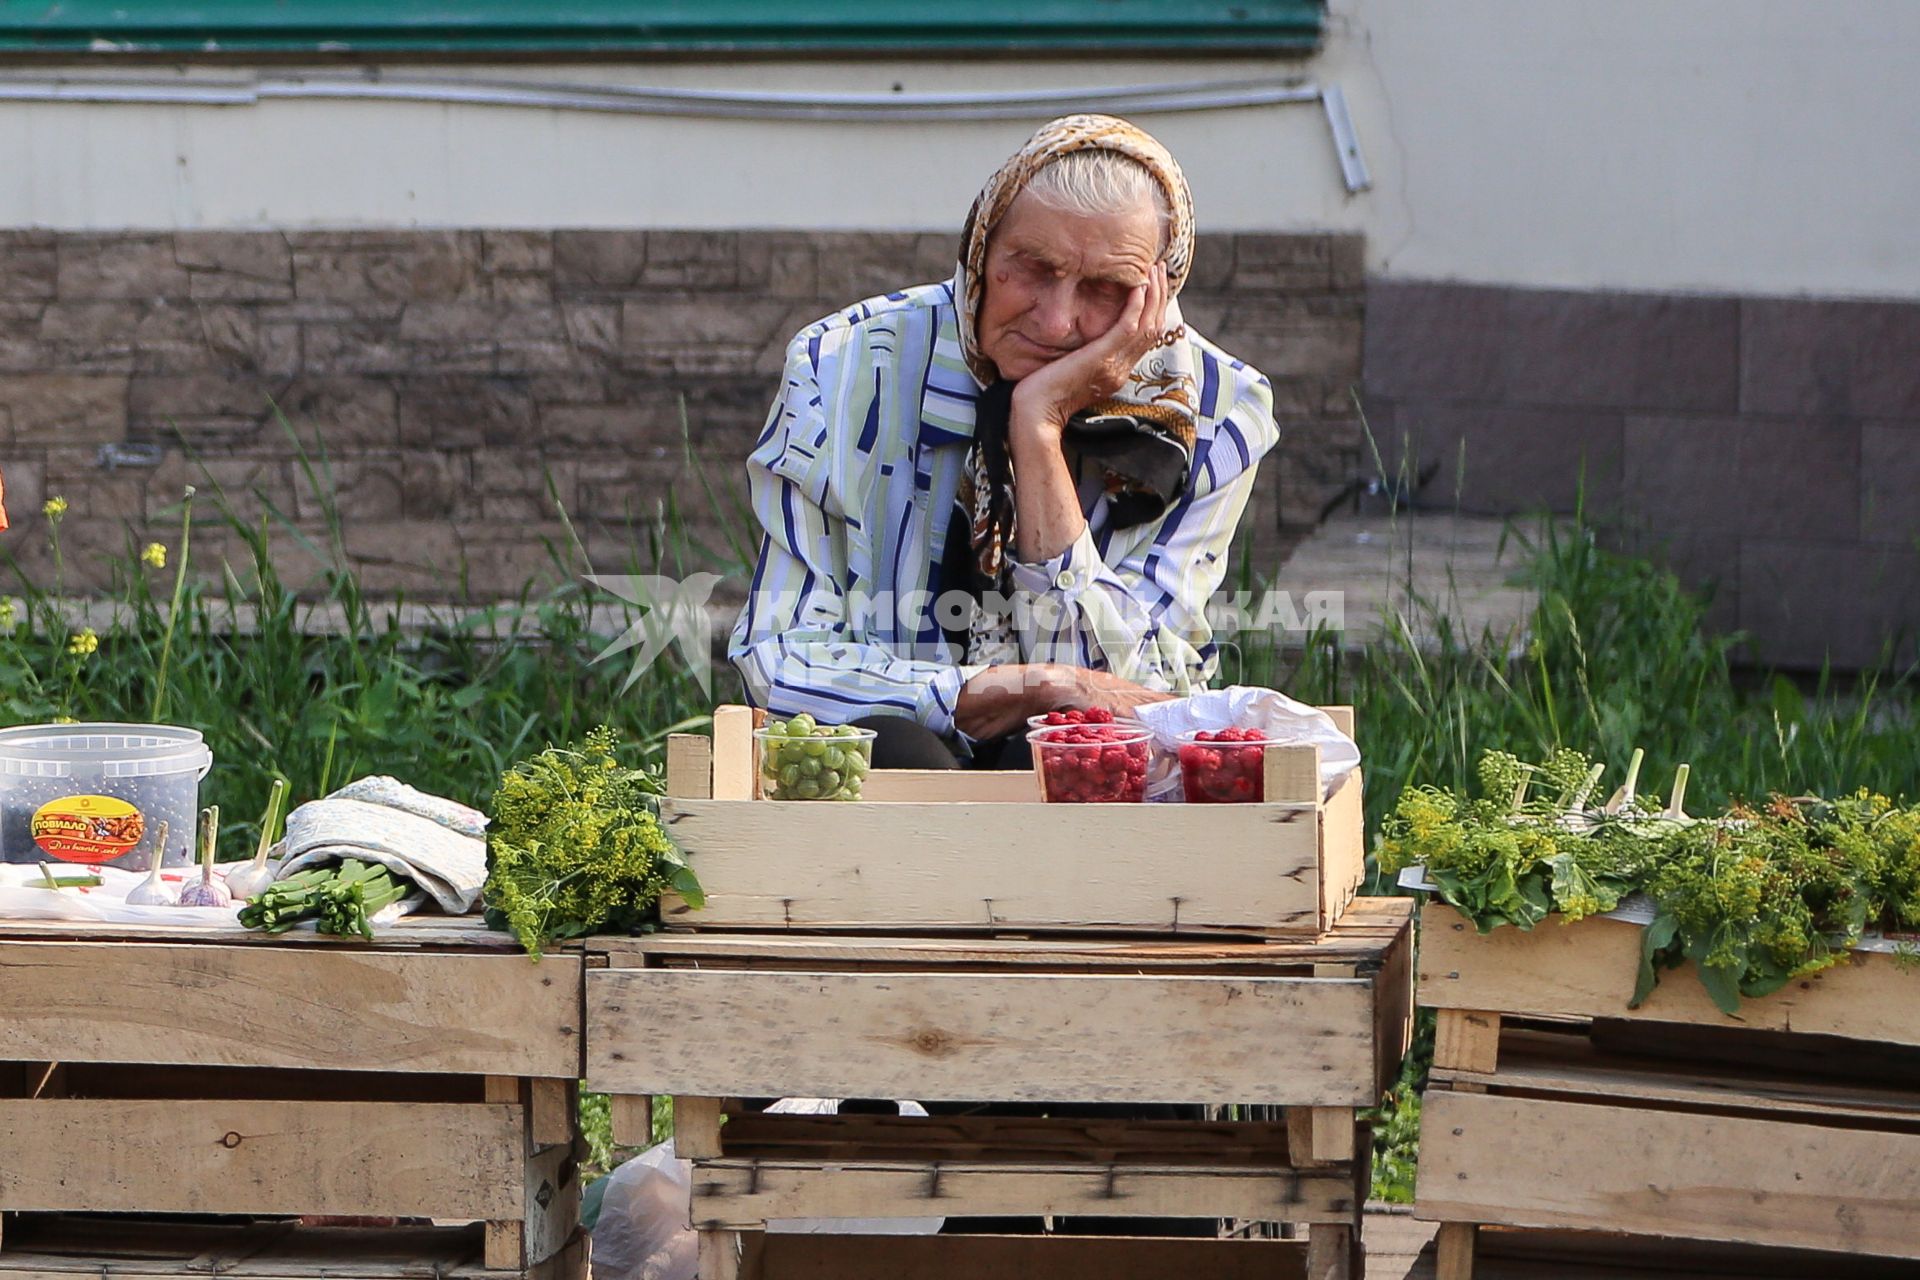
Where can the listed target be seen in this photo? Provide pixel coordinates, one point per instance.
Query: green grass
(445, 707)
(1615, 657)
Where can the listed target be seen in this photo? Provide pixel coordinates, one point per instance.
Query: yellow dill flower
(83, 642)
(8, 615)
(54, 508)
(154, 556)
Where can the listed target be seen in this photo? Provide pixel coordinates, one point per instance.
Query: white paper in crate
(439, 844)
(1248, 707)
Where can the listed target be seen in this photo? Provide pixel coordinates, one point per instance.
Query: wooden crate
(431, 1075)
(1316, 1027)
(980, 851)
(1587, 970)
(1554, 1106)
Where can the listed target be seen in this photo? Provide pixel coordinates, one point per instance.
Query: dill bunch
(575, 846)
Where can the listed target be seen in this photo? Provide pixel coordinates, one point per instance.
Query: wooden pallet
(1797, 1126)
(431, 1075)
(979, 852)
(1316, 1027)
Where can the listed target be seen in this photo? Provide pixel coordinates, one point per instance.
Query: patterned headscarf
(1143, 434)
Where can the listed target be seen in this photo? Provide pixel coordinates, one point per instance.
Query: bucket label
(88, 828)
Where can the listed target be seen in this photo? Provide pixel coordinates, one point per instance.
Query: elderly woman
(1012, 492)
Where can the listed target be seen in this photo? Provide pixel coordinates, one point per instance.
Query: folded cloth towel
(438, 844)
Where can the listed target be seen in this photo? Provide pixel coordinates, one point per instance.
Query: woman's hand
(1088, 689)
(1048, 397)
(998, 701)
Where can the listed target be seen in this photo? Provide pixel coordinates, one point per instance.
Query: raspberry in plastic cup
(1076, 715)
(1224, 766)
(1092, 763)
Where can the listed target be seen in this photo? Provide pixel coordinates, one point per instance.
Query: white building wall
(1750, 146)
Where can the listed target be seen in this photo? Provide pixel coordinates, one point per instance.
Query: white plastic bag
(645, 1231)
(1249, 707)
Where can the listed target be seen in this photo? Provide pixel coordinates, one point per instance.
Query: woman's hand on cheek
(1052, 394)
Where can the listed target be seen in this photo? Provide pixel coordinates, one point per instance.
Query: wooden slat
(404, 936)
(1465, 1040)
(837, 1257)
(1588, 970)
(1330, 1251)
(719, 1255)
(1539, 1163)
(1291, 775)
(406, 1159)
(506, 1243)
(632, 1119)
(291, 1007)
(733, 765)
(982, 1037)
(1011, 1139)
(696, 1127)
(1392, 1002)
(1343, 848)
(1506, 1253)
(1563, 1064)
(690, 766)
(1453, 1251)
(72, 1247)
(1159, 868)
(552, 1200)
(933, 786)
(1363, 937)
(1333, 1133)
(551, 1121)
(747, 1193)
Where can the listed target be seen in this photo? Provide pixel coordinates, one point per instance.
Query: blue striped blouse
(853, 482)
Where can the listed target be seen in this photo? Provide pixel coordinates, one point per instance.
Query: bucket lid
(101, 750)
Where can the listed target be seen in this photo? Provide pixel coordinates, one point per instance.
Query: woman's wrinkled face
(1058, 280)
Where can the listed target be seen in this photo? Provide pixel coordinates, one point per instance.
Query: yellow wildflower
(154, 556)
(7, 615)
(83, 642)
(54, 508)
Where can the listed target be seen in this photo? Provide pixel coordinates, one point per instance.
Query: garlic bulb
(153, 891)
(251, 878)
(206, 892)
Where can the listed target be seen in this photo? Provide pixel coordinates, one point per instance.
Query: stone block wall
(448, 392)
(1767, 447)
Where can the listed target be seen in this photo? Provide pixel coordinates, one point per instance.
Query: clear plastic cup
(1223, 772)
(830, 762)
(1112, 768)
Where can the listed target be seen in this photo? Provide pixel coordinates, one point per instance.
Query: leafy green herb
(343, 898)
(576, 846)
(1755, 899)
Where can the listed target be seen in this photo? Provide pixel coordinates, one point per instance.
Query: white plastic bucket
(97, 794)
